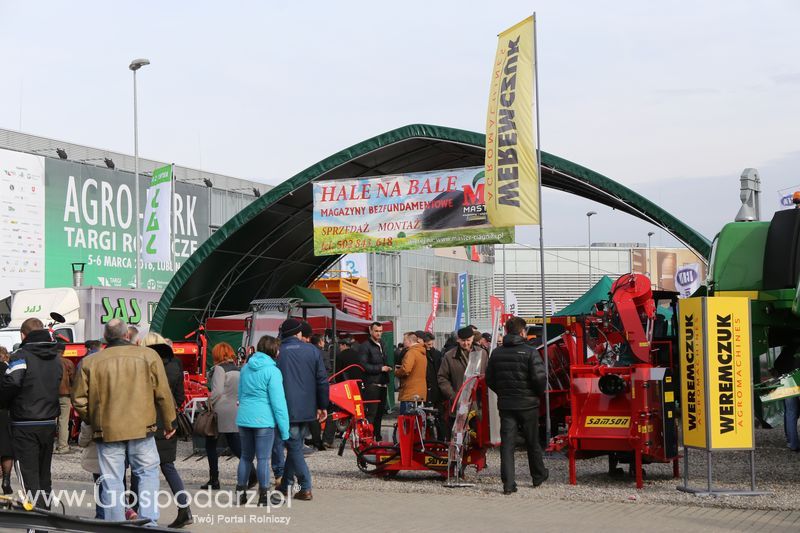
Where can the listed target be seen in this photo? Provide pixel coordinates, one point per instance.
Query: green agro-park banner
(89, 219)
(425, 209)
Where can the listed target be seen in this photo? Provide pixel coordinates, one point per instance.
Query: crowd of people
(515, 372)
(265, 407)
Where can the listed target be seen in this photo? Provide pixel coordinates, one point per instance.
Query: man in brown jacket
(117, 391)
(412, 373)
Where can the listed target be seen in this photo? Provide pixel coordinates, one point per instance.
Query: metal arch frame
(252, 258)
(639, 213)
(609, 193)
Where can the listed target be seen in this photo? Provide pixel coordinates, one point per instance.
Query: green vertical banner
(157, 227)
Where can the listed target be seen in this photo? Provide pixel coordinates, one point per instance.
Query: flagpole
(505, 303)
(541, 237)
(172, 224)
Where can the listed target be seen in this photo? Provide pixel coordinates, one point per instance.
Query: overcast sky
(672, 99)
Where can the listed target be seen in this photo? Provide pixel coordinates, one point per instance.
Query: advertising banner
(22, 217)
(355, 264)
(662, 265)
(512, 306)
(496, 306)
(716, 373)
(730, 377)
(687, 279)
(496, 309)
(403, 212)
(436, 296)
(462, 312)
(512, 174)
(157, 231)
(692, 372)
(786, 197)
(89, 219)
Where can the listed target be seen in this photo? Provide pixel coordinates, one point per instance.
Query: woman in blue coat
(262, 412)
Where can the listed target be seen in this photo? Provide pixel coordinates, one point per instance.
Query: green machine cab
(761, 260)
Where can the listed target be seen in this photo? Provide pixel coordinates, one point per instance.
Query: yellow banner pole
(535, 74)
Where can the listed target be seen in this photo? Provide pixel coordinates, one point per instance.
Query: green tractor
(761, 260)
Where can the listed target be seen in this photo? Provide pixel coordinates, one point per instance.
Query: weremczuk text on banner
(512, 173)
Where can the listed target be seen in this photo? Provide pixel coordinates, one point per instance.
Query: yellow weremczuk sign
(692, 372)
(730, 375)
(512, 173)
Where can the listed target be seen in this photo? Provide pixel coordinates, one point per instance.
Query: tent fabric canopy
(585, 303)
(267, 248)
(308, 295)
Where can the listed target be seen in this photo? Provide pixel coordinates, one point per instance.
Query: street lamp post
(589, 224)
(135, 65)
(650, 256)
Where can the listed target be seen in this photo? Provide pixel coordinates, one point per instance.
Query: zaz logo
(686, 276)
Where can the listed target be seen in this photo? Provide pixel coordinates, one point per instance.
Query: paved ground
(362, 511)
(371, 512)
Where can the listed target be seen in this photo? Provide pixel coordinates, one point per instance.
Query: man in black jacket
(434, 358)
(515, 372)
(376, 376)
(30, 387)
(347, 358)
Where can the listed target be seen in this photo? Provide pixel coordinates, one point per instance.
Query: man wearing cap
(376, 376)
(347, 358)
(306, 384)
(486, 341)
(454, 365)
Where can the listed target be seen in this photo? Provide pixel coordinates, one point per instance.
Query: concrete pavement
(356, 511)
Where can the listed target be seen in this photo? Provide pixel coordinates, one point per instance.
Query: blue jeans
(791, 412)
(296, 466)
(143, 457)
(256, 442)
(278, 455)
(173, 480)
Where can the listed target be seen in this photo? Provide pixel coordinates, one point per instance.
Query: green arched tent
(267, 248)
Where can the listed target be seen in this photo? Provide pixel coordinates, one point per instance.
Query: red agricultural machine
(414, 446)
(621, 387)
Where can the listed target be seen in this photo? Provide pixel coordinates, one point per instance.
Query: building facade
(570, 270)
(65, 205)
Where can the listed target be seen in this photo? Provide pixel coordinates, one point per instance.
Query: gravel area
(777, 471)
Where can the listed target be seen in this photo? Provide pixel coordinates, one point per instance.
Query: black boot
(253, 479)
(7, 484)
(184, 518)
(242, 492)
(263, 497)
(212, 483)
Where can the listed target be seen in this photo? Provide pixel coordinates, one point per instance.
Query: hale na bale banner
(403, 212)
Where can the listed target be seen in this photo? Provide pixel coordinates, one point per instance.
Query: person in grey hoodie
(223, 384)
